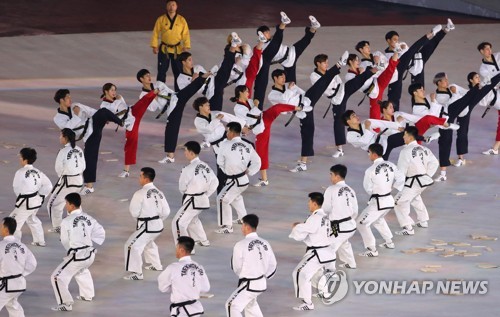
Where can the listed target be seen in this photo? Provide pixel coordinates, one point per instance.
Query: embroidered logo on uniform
(154, 192)
(241, 147)
(386, 168)
(76, 153)
(202, 168)
(348, 193)
(15, 247)
(33, 173)
(191, 269)
(420, 152)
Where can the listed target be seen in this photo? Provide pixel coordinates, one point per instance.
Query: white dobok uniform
(121, 110)
(78, 232)
(150, 207)
(253, 261)
(166, 98)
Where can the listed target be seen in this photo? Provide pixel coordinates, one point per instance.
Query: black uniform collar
(209, 118)
(69, 113)
(280, 90)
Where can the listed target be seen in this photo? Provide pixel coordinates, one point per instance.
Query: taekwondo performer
(418, 164)
(184, 280)
(378, 181)
(315, 233)
(16, 262)
(31, 186)
(253, 261)
(70, 164)
(237, 159)
(341, 206)
(87, 123)
(196, 183)
(78, 232)
(150, 207)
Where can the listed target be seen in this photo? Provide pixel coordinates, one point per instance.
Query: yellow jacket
(178, 34)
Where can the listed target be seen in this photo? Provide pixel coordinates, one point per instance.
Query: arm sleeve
(98, 233)
(165, 208)
(255, 163)
(30, 264)
(237, 259)
(271, 269)
(156, 33)
(403, 162)
(205, 283)
(186, 37)
(46, 186)
(136, 204)
(65, 235)
(214, 182)
(165, 280)
(432, 164)
(399, 179)
(59, 165)
(183, 181)
(367, 182)
(327, 201)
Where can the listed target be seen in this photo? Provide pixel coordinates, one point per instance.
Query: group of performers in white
(333, 215)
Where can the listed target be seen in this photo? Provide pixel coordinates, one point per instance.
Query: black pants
(444, 142)
(300, 46)
(174, 119)
(221, 80)
(426, 52)
(393, 141)
(394, 92)
(307, 124)
(462, 142)
(91, 151)
(262, 78)
(350, 87)
(164, 61)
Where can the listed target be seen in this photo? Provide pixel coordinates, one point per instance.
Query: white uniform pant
(9, 301)
(243, 300)
(63, 274)
(141, 242)
(57, 201)
(22, 215)
(303, 274)
(187, 223)
(411, 196)
(371, 215)
(230, 196)
(343, 248)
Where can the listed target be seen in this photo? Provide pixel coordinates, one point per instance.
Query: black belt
(379, 195)
(234, 81)
(258, 118)
(84, 127)
(281, 60)
(492, 103)
(26, 196)
(244, 279)
(181, 304)
(207, 82)
(148, 218)
(379, 135)
(315, 248)
(366, 92)
(3, 280)
(236, 176)
(76, 249)
(170, 46)
(335, 226)
(413, 178)
(168, 98)
(295, 111)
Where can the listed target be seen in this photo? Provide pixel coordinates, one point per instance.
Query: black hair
(252, 220)
(234, 127)
(148, 173)
(412, 130)
(347, 115)
(263, 28)
(470, 76)
(438, 77)
(60, 94)
(320, 58)
(317, 198)
(390, 34)
(187, 243)
(414, 87)
(28, 154)
(193, 146)
(482, 45)
(11, 224)
(339, 170)
(183, 56)
(377, 149)
(237, 91)
(199, 102)
(74, 199)
(352, 57)
(384, 104)
(143, 72)
(277, 73)
(106, 87)
(69, 135)
(361, 44)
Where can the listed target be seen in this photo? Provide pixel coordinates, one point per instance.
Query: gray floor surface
(34, 67)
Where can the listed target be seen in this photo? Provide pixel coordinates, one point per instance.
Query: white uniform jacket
(208, 87)
(78, 232)
(341, 207)
(362, 138)
(150, 207)
(379, 180)
(81, 124)
(121, 110)
(197, 182)
(488, 70)
(335, 91)
(315, 232)
(294, 96)
(185, 280)
(166, 97)
(418, 164)
(251, 115)
(70, 164)
(31, 186)
(253, 260)
(235, 157)
(16, 262)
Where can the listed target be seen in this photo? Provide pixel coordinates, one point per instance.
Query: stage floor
(34, 67)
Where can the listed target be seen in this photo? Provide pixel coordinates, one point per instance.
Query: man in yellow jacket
(170, 38)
